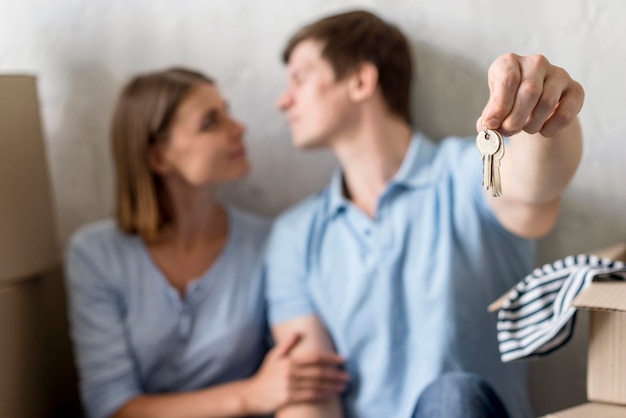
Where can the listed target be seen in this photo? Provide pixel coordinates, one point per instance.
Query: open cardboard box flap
(603, 296)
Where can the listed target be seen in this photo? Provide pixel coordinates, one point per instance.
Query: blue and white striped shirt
(538, 317)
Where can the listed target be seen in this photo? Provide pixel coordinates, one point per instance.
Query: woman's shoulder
(98, 236)
(101, 252)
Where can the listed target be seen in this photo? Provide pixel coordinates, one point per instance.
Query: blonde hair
(143, 118)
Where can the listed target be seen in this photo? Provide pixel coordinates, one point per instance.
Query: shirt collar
(416, 168)
(415, 171)
(337, 202)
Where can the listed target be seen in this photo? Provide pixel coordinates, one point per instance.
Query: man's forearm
(314, 338)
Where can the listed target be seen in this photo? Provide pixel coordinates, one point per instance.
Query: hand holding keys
(526, 94)
(491, 146)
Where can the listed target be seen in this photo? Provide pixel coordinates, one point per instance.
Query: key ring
(487, 136)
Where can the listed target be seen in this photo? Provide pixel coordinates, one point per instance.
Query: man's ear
(363, 82)
(156, 161)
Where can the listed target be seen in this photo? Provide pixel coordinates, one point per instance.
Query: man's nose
(284, 100)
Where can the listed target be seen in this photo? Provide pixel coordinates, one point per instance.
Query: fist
(529, 94)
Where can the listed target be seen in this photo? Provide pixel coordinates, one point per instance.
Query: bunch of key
(491, 146)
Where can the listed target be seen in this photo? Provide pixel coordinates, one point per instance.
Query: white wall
(83, 51)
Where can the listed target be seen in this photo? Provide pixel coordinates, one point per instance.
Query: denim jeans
(459, 394)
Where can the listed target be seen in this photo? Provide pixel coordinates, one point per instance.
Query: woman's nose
(237, 128)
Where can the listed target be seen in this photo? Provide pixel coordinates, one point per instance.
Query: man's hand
(530, 94)
(531, 99)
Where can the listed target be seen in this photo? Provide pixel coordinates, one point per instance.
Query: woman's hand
(283, 379)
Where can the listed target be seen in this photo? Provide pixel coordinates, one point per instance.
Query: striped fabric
(537, 318)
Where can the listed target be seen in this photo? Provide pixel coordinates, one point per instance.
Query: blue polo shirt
(404, 296)
(133, 334)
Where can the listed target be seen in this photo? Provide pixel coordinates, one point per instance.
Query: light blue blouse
(132, 332)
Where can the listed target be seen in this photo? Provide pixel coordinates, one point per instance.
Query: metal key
(488, 144)
(496, 190)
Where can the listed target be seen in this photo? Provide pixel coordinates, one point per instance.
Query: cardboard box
(606, 363)
(27, 227)
(591, 410)
(37, 375)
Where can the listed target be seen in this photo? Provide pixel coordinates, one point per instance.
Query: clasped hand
(529, 94)
(285, 379)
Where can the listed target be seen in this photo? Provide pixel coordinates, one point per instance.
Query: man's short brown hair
(352, 38)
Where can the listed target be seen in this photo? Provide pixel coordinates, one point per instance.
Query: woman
(166, 302)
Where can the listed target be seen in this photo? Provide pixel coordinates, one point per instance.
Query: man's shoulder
(453, 155)
(302, 217)
(452, 147)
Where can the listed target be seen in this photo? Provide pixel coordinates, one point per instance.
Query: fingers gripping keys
(491, 147)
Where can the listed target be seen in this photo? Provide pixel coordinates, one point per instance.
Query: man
(394, 263)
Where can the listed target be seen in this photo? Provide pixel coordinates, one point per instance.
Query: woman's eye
(208, 124)
(213, 119)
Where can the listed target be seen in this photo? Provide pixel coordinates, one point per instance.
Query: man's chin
(307, 143)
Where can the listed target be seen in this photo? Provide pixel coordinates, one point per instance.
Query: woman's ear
(363, 82)
(156, 161)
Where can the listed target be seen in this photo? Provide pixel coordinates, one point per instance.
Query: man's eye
(296, 79)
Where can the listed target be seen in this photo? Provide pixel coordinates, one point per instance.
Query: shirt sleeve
(287, 292)
(107, 376)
